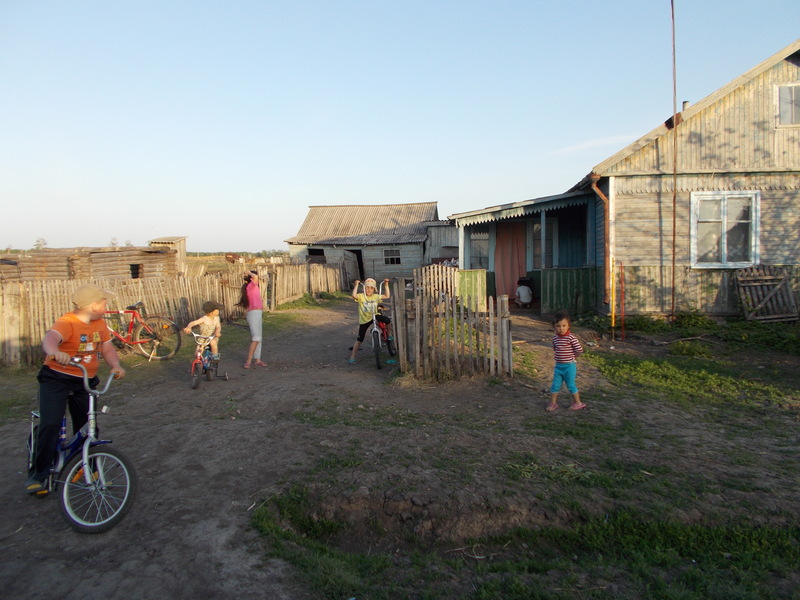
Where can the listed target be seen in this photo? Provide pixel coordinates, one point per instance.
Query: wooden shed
(380, 241)
(177, 243)
(133, 262)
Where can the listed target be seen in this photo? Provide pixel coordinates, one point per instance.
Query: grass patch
(691, 380)
(618, 556)
(306, 301)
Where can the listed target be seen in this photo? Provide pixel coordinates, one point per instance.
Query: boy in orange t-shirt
(81, 333)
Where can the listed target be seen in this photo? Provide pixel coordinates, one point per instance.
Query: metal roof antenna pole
(675, 122)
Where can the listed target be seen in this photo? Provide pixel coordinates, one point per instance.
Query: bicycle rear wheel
(157, 338)
(97, 506)
(376, 346)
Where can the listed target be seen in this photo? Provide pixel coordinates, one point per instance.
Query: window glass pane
(479, 246)
(710, 209)
(709, 242)
(738, 241)
(738, 209)
(789, 105)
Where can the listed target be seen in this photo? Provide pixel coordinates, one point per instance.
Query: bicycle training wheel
(157, 338)
(390, 347)
(197, 371)
(97, 506)
(376, 346)
(211, 372)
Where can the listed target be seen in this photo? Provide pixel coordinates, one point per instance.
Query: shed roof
(605, 167)
(366, 225)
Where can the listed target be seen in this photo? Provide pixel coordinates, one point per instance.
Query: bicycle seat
(135, 306)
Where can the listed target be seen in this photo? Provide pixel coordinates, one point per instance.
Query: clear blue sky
(224, 120)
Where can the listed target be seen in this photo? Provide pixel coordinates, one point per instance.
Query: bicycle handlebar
(77, 362)
(202, 339)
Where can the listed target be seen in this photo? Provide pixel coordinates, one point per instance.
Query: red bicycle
(157, 338)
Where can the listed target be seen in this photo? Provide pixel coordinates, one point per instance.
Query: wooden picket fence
(443, 335)
(29, 308)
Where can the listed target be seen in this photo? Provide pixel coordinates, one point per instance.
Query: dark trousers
(362, 328)
(56, 392)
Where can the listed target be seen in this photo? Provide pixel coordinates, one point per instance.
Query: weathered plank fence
(28, 309)
(441, 334)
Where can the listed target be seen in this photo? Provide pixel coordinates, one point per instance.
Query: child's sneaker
(35, 485)
(215, 357)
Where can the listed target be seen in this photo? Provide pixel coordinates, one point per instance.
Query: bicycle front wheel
(197, 371)
(97, 506)
(157, 338)
(376, 346)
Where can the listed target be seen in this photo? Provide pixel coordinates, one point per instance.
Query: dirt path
(203, 457)
(206, 457)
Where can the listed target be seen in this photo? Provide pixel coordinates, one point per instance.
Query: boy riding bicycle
(82, 333)
(368, 305)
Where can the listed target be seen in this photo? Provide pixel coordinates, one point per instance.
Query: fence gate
(441, 334)
(765, 294)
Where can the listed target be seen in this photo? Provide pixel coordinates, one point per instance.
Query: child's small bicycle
(96, 498)
(156, 337)
(203, 364)
(379, 332)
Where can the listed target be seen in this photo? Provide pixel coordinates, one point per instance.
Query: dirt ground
(206, 457)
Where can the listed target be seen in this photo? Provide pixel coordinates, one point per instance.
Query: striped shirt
(566, 347)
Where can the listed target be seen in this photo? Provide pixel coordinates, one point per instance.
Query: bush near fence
(29, 308)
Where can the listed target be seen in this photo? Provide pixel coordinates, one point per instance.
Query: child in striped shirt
(566, 348)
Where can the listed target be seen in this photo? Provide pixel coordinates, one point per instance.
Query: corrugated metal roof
(518, 209)
(366, 225)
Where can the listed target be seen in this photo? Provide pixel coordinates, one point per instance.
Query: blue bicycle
(97, 482)
(203, 364)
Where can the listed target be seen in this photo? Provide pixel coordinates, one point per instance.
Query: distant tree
(113, 243)
(39, 244)
(128, 243)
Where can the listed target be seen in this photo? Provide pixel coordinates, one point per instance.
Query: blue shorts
(564, 373)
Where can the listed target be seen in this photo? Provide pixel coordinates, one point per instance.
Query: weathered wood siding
(648, 289)
(738, 132)
(573, 290)
(374, 263)
(442, 243)
(84, 263)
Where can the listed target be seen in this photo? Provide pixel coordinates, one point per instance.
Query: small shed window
(724, 229)
(137, 271)
(391, 256)
(789, 105)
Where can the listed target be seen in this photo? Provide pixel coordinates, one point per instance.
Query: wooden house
(662, 225)
(379, 241)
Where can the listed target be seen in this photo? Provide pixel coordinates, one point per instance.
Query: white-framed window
(479, 248)
(789, 105)
(724, 229)
(391, 256)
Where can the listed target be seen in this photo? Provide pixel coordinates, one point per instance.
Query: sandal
(260, 363)
(246, 365)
